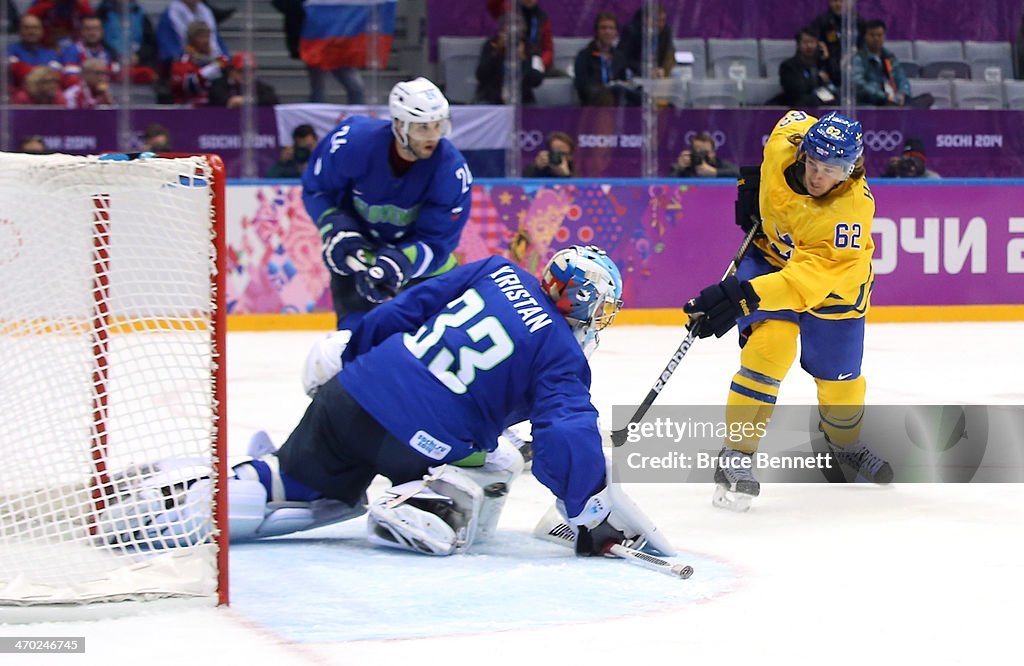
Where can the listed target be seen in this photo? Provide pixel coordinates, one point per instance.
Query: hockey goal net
(112, 358)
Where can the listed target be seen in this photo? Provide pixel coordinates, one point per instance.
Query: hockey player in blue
(432, 377)
(390, 198)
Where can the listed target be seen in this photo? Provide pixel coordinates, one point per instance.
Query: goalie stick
(552, 528)
(692, 330)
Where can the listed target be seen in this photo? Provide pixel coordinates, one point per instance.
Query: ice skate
(866, 465)
(735, 483)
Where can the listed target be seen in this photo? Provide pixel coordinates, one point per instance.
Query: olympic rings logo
(883, 140)
(718, 136)
(530, 141)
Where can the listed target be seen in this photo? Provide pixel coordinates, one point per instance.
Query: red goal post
(112, 350)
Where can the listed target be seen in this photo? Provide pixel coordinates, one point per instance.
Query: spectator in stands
(33, 145)
(197, 68)
(490, 70)
(328, 50)
(536, 28)
(632, 44)
(878, 76)
(556, 161)
(539, 40)
(910, 163)
(805, 81)
(295, 157)
(62, 20)
(28, 52)
(829, 29)
(172, 29)
(229, 90)
(156, 139)
(141, 38)
(93, 88)
(701, 161)
(42, 88)
(602, 77)
(89, 46)
(294, 16)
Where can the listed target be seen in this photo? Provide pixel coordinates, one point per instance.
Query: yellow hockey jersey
(823, 245)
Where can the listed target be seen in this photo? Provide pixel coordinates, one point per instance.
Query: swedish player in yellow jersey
(808, 276)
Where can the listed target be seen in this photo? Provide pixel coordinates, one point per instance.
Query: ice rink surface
(814, 573)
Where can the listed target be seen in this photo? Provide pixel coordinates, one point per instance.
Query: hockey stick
(552, 528)
(692, 330)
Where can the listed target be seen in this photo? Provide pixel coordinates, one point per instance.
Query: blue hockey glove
(381, 281)
(721, 305)
(345, 250)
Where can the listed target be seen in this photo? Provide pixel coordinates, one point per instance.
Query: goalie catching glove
(324, 360)
(720, 305)
(610, 517)
(389, 273)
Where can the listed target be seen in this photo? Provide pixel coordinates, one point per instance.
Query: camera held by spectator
(701, 161)
(911, 163)
(295, 156)
(556, 161)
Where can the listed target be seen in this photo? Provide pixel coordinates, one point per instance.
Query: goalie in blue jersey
(390, 198)
(426, 381)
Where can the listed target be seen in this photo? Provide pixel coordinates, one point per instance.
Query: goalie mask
(586, 287)
(418, 109)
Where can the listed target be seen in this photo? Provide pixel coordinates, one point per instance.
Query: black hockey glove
(345, 250)
(721, 305)
(748, 205)
(381, 281)
(597, 540)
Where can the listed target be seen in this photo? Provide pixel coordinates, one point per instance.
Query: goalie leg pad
(408, 527)
(501, 467)
(168, 506)
(438, 515)
(251, 516)
(450, 509)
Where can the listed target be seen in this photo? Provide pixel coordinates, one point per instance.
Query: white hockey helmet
(586, 287)
(417, 101)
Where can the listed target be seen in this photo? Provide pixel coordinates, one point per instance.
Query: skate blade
(732, 501)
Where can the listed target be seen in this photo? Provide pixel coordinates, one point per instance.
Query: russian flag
(336, 33)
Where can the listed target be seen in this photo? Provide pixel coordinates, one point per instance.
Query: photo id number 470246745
(42, 644)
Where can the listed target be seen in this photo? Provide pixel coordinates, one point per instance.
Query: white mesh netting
(107, 353)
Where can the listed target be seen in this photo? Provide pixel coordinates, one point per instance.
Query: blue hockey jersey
(422, 212)
(450, 363)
